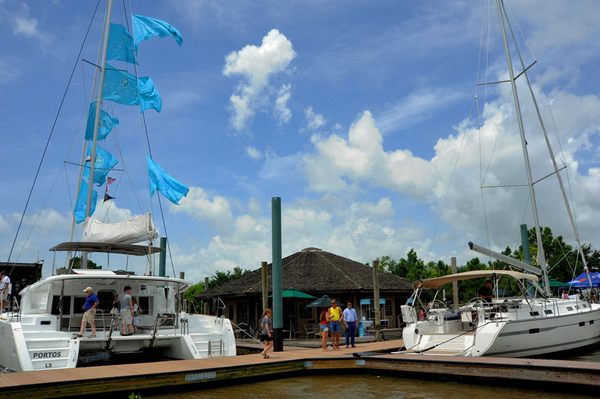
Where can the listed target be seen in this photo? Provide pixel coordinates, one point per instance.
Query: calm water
(364, 387)
(374, 387)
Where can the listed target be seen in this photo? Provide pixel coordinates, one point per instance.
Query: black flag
(107, 197)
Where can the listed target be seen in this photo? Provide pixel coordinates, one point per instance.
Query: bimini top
(125, 249)
(439, 281)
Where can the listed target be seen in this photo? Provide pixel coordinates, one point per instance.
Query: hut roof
(317, 272)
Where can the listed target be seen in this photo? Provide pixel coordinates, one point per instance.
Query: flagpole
(97, 120)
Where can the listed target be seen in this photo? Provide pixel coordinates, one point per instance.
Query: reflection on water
(363, 387)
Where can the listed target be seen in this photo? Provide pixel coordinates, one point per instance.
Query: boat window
(591, 322)
(583, 305)
(576, 306)
(78, 302)
(106, 299)
(66, 305)
(535, 313)
(36, 300)
(548, 311)
(569, 307)
(144, 303)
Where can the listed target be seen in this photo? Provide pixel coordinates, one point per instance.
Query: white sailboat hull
(514, 333)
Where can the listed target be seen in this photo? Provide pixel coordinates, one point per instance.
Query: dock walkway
(368, 358)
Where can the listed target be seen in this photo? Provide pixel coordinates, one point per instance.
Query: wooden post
(265, 286)
(454, 283)
(206, 307)
(378, 335)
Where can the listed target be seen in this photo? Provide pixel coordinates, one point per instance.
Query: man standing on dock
(350, 320)
(335, 317)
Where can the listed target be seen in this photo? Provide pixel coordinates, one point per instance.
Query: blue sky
(359, 115)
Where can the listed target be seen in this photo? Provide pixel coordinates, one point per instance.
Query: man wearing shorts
(89, 312)
(126, 312)
(335, 317)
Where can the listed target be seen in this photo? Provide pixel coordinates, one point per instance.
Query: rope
(37, 173)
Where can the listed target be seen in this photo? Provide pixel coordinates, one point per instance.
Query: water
(363, 387)
(367, 386)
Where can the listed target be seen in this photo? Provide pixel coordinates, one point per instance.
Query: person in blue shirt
(89, 312)
(350, 320)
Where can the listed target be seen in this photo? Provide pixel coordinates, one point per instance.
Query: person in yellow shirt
(335, 317)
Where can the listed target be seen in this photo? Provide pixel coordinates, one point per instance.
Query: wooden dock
(366, 358)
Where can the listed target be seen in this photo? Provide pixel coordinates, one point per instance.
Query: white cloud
(282, 112)
(26, 27)
(361, 158)
(7, 72)
(314, 121)
(255, 66)
(361, 231)
(416, 108)
(198, 204)
(253, 153)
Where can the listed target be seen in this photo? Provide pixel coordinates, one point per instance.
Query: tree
(221, 277)
(76, 263)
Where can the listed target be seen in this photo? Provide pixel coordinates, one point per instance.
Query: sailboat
(43, 331)
(531, 324)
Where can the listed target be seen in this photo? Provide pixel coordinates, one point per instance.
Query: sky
(364, 117)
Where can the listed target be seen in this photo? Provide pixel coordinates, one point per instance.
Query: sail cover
(137, 229)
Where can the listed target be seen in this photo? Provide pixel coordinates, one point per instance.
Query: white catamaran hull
(39, 337)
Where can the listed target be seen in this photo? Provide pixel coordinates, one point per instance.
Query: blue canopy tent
(582, 281)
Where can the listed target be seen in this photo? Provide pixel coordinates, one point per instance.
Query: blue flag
(149, 95)
(164, 183)
(81, 203)
(119, 86)
(105, 161)
(107, 122)
(145, 28)
(124, 88)
(120, 45)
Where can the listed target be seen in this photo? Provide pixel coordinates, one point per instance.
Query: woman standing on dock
(324, 326)
(266, 332)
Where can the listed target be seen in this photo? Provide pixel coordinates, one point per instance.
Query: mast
(540, 256)
(97, 119)
(554, 165)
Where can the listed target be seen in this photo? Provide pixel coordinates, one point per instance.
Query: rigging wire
(162, 215)
(50, 135)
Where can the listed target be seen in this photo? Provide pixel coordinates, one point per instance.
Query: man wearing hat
(89, 308)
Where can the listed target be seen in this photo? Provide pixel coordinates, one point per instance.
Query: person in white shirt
(350, 319)
(5, 290)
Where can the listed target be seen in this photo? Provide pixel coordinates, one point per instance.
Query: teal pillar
(276, 274)
(162, 260)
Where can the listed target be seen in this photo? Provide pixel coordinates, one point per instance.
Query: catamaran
(532, 323)
(42, 332)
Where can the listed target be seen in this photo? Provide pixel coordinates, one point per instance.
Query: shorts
(334, 326)
(126, 317)
(4, 295)
(265, 337)
(324, 327)
(89, 315)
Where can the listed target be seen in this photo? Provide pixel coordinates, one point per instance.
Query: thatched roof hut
(316, 272)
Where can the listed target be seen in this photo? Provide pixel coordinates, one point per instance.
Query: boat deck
(372, 357)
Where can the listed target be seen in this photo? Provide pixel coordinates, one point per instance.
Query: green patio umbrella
(295, 294)
(558, 284)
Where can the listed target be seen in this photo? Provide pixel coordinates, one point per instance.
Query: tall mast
(554, 165)
(97, 118)
(540, 255)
